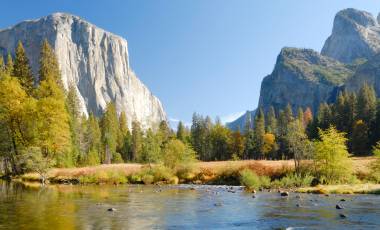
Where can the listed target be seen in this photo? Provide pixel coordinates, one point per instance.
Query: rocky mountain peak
(355, 35)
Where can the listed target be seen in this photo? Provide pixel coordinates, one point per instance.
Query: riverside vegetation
(42, 128)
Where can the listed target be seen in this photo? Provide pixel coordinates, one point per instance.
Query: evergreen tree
(22, 69)
(136, 141)
(76, 129)
(366, 104)
(124, 137)
(110, 132)
(259, 132)
(182, 133)
(151, 148)
(271, 121)
(248, 136)
(93, 137)
(359, 139)
(219, 138)
(236, 145)
(324, 116)
(49, 67)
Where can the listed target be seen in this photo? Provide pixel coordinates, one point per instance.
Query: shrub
(155, 174)
(251, 180)
(104, 177)
(186, 171)
(293, 180)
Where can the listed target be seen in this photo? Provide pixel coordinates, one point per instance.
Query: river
(178, 207)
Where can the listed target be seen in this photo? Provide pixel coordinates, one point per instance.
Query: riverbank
(265, 174)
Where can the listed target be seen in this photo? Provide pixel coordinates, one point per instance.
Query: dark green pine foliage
(136, 141)
(324, 116)
(49, 67)
(77, 133)
(366, 104)
(259, 132)
(181, 132)
(110, 132)
(271, 121)
(248, 137)
(22, 69)
(124, 137)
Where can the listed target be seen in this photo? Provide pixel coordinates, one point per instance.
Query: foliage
(176, 152)
(251, 180)
(331, 157)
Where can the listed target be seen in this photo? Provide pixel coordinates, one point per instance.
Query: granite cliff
(94, 60)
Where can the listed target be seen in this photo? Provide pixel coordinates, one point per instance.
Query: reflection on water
(177, 207)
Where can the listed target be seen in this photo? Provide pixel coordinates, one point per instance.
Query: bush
(186, 172)
(293, 180)
(104, 177)
(155, 174)
(251, 180)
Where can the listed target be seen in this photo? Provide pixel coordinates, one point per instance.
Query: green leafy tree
(151, 148)
(9, 65)
(331, 157)
(175, 152)
(300, 147)
(22, 69)
(236, 145)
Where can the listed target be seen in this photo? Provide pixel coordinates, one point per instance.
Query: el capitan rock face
(355, 34)
(94, 60)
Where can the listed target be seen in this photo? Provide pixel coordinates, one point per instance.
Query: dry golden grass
(343, 189)
(207, 170)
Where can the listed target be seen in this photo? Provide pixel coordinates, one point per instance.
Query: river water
(178, 207)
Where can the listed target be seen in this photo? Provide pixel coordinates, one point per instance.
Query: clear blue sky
(205, 56)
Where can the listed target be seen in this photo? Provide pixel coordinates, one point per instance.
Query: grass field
(261, 167)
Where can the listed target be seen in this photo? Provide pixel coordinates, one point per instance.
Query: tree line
(41, 124)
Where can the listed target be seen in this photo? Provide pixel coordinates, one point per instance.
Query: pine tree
(259, 132)
(181, 132)
(151, 148)
(366, 104)
(271, 121)
(324, 116)
(76, 129)
(123, 139)
(136, 142)
(359, 138)
(49, 67)
(93, 137)
(110, 132)
(22, 69)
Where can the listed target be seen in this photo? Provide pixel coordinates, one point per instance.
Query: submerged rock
(284, 193)
(112, 209)
(338, 206)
